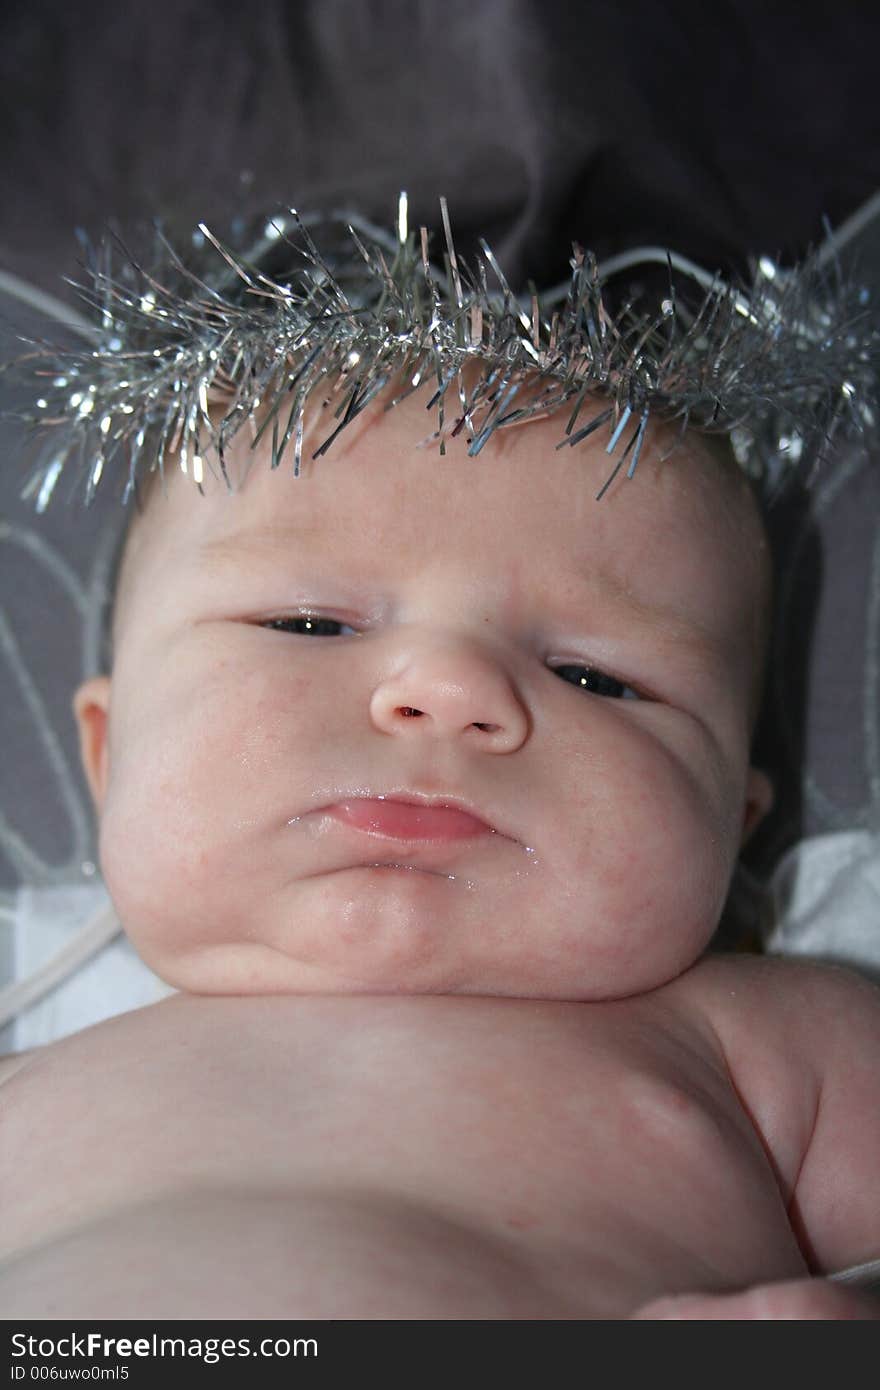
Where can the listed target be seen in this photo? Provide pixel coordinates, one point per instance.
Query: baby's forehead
(386, 472)
(388, 466)
(384, 503)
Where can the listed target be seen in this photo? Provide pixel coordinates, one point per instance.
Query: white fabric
(114, 981)
(825, 896)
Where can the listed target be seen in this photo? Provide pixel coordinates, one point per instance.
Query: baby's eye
(596, 682)
(305, 625)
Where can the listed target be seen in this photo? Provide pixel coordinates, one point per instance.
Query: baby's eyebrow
(671, 623)
(258, 541)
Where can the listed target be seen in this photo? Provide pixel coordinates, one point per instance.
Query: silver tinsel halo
(782, 365)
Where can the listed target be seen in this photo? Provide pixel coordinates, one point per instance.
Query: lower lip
(398, 820)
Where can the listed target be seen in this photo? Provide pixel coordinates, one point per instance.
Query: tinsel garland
(782, 364)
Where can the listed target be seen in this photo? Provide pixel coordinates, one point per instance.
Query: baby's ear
(91, 705)
(759, 801)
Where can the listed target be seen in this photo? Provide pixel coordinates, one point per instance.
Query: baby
(422, 780)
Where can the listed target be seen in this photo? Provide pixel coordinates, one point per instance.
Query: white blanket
(825, 900)
(112, 982)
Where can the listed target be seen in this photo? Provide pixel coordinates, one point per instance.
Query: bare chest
(581, 1135)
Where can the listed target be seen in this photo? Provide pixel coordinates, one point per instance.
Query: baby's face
(479, 634)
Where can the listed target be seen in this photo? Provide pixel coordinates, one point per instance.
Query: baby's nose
(450, 691)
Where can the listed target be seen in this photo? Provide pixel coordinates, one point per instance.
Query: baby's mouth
(395, 819)
(396, 832)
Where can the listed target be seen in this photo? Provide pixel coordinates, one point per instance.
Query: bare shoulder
(801, 1045)
(798, 1010)
(801, 1042)
(796, 1037)
(751, 992)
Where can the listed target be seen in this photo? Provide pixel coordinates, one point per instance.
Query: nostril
(408, 712)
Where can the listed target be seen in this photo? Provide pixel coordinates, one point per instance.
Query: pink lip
(403, 820)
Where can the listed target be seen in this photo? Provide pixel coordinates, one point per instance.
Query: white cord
(639, 255)
(45, 303)
(21, 994)
(866, 1276)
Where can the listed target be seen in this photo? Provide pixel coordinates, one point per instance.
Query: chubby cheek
(647, 869)
(195, 802)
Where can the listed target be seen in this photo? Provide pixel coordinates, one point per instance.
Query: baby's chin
(379, 930)
(253, 970)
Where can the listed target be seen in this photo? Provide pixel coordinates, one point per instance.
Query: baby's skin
(448, 1157)
(422, 780)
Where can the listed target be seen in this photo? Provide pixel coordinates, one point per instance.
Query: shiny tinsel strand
(781, 365)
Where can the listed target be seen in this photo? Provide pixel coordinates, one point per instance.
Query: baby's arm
(802, 1043)
(835, 1204)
